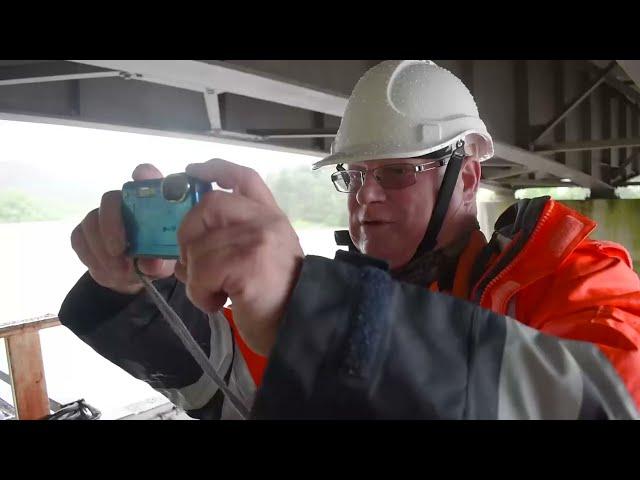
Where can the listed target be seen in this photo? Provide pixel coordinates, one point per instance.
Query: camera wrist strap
(179, 328)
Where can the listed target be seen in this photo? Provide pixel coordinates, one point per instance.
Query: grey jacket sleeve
(130, 332)
(355, 343)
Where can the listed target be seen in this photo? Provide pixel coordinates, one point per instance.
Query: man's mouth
(374, 223)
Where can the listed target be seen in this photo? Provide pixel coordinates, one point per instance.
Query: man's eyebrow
(411, 161)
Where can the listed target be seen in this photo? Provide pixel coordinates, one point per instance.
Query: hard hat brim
(367, 154)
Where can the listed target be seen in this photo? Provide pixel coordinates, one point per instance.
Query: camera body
(152, 211)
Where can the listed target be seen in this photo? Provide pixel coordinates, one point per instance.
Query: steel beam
(540, 163)
(632, 69)
(58, 78)
(199, 76)
(631, 95)
(511, 173)
(588, 145)
(539, 182)
(498, 162)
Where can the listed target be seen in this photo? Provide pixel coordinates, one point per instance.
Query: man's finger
(235, 237)
(211, 270)
(242, 180)
(146, 171)
(80, 246)
(212, 279)
(111, 225)
(201, 296)
(91, 230)
(206, 301)
(217, 210)
(156, 267)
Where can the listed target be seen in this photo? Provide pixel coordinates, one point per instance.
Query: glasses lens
(395, 176)
(343, 181)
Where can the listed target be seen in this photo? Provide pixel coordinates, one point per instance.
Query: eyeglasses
(395, 176)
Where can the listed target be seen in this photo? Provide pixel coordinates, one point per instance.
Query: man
(422, 318)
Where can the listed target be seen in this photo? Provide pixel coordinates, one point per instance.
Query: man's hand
(240, 246)
(100, 241)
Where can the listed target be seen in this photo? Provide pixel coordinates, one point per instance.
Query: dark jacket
(356, 343)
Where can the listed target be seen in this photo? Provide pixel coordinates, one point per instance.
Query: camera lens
(175, 187)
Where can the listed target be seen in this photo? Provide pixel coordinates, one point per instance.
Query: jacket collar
(532, 238)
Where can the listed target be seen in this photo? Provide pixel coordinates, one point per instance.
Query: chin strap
(444, 199)
(343, 239)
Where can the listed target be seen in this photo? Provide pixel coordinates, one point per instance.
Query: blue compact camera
(153, 210)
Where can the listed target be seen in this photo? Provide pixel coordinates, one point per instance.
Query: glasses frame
(423, 167)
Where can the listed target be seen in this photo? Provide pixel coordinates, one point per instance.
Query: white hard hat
(407, 108)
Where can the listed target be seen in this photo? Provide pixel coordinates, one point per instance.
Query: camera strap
(179, 328)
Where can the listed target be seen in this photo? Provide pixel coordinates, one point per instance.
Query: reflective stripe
(602, 382)
(241, 383)
(544, 377)
(198, 394)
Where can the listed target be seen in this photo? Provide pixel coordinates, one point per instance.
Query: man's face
(390, 223)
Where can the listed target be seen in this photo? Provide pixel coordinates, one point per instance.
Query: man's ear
(470, 175)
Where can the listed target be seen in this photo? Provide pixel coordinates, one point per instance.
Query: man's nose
(370, 191)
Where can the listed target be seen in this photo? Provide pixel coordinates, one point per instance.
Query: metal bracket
(212, 106)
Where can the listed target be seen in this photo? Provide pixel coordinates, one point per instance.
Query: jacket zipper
(508, 267)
